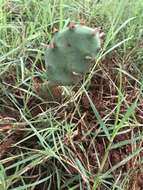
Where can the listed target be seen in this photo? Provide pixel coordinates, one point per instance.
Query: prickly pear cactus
(66, 57)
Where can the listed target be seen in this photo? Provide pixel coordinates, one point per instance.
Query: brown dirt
(104, 95)
(136, 182)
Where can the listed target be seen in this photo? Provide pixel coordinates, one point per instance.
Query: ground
(87, 136)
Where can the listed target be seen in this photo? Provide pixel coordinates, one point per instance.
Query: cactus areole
(66, 56)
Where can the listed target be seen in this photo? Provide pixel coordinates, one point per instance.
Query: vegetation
(89, 136)
(69, 52)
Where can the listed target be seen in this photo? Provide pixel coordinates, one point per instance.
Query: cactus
(66, 56)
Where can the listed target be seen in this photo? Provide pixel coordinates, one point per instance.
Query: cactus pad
(66, 56)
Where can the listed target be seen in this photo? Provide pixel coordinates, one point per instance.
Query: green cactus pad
(67, 53)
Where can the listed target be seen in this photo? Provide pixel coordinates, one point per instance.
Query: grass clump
(90, 137)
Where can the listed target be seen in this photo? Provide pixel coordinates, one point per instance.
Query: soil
(104, 96)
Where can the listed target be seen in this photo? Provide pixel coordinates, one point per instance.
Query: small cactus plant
(66, 56)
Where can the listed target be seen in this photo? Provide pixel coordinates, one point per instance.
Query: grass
(91, 138)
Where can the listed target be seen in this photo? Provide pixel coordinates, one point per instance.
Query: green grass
(51, 145)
